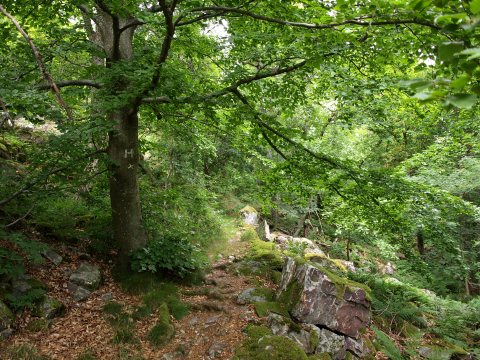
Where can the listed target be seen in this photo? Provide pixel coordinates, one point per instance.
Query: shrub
(172, 253)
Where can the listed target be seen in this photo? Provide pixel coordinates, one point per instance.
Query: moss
(262, 309)
(37, 325)
(344, 283)
(291, 295)
(270, 347)
(276, 276)
(266, 293)
(248, 209)
(163, 330)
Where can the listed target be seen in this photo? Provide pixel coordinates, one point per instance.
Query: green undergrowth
(399, 308)
(24, 352)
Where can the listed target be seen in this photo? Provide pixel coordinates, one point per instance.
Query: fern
(386, 345)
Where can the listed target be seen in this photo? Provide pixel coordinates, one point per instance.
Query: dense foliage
(351, 123)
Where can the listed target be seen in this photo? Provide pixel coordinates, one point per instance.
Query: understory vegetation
(139, 139)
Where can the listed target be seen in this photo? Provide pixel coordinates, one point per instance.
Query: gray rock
(49, 308)
(248, 296)
(215, 319)
(329, 342)
(51, 255)
(263, 232)
(78, 293)
(216, 350)
(87, 276)
(355, 346)
(315, 298)
(6, 317)
(107, 297)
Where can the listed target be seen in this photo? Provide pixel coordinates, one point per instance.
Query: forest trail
(211, 330)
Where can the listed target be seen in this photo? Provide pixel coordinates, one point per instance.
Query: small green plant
(36, 325)
(24, 352)
(87, 355)
(112, 308)
(386, 345)
(124, 335)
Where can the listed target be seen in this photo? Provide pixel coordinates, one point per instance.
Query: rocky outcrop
(315, 340)
(82, 281)
(318, 296)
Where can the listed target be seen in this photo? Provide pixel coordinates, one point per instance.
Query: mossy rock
(163, 330)
(270, 347)
(49, 308)
(262, 309)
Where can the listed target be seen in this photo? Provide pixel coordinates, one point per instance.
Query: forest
(261, 179)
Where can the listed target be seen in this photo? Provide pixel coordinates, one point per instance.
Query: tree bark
(123, 152)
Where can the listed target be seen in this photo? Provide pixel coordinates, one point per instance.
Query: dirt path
(211, 330)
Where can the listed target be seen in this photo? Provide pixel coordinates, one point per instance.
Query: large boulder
(318, 296)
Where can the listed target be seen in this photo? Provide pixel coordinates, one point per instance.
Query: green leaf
(473, 52)
(475, 7)
(462, 101)
(460, 82)
(447, 50)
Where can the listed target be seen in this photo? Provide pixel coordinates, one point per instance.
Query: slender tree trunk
(124, 192)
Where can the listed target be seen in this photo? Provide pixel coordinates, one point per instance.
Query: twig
(20, 219)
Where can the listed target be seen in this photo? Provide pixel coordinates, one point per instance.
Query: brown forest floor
(84, 325)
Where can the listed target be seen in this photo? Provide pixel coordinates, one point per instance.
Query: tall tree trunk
(114, 34)
(128, 229)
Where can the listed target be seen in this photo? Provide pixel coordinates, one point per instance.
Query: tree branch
(224, 9)
(66, 83)
(228, 89)
(38, 57)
